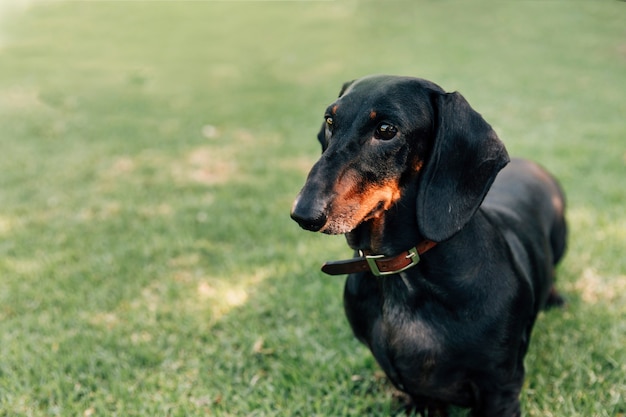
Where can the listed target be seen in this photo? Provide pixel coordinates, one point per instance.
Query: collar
(379, 264)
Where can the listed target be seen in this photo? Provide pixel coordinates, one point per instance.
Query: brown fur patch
(373, 114)
(543, 176)
(557, 203)
(376, 232)
(334, 109)
(351, 207)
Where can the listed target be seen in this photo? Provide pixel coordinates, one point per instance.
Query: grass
(150, 153)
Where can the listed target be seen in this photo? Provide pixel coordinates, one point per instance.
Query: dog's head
(384, 133)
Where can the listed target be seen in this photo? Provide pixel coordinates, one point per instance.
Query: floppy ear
(321, 135)
(466, 157)
(345, 86)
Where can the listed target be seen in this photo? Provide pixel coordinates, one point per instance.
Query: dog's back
(523, 199)
(406, 165)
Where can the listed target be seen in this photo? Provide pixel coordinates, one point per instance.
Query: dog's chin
(345, 223)
(340, 225)
(337, 229)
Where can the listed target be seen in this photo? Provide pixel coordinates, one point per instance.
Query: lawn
(149, 156)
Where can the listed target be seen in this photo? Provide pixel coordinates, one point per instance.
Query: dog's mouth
(353, 202)
(350, 218)
(376, 212)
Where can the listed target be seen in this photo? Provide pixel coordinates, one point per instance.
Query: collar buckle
(412, 255)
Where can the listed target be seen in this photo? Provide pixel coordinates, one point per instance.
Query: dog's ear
(321, 135)
(345, 86)
(466, 156)
(322, 138)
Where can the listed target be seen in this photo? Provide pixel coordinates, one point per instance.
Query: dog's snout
(308, 215)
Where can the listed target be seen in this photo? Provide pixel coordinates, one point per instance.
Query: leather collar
(379, 264)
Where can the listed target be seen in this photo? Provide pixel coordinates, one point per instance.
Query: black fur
(455, 328)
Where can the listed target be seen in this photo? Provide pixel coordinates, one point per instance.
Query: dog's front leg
(500, 404)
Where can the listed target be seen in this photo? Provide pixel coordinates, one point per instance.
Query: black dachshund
(455, 249)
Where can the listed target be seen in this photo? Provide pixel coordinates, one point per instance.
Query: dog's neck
(392, 232)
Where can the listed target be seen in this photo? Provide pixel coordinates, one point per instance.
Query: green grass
(150, 269)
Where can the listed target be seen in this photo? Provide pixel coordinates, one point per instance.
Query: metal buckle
(371, 261)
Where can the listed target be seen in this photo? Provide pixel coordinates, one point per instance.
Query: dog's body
(403, 163)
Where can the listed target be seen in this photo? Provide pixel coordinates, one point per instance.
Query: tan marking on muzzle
(352, 207)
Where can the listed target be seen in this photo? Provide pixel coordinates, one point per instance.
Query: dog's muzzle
(308, 215)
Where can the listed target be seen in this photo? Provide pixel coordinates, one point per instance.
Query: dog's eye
(329, 122)
(385, 131)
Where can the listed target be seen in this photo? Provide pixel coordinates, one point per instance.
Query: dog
(455, 243)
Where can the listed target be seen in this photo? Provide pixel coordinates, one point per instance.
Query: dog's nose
(308, 217)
